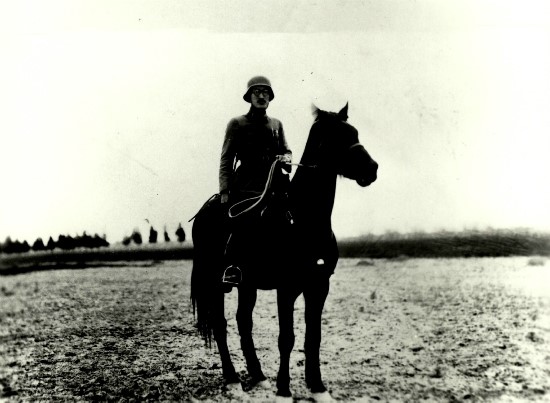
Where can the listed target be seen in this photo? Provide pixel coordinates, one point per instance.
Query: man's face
(260, 97)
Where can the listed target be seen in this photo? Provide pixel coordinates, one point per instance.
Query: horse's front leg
(247, 301)
(286, 297)
(315, 295)
(219, 328)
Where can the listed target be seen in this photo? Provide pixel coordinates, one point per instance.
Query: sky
(113, 113)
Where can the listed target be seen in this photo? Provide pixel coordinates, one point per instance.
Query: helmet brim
(248, 93)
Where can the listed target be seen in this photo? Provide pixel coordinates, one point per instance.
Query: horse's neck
(313, 189)
(312, 193)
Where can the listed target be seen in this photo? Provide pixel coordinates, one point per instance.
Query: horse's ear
(343, 114)
(314, 110)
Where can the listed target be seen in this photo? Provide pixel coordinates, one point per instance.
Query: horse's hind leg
(247, 301)
(285, 305)
(315, 296)
(219, 327)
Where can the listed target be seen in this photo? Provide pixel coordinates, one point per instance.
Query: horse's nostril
(363, 182)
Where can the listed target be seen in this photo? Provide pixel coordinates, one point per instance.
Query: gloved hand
(285, 158)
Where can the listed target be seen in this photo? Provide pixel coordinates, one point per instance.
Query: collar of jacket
(257, 115)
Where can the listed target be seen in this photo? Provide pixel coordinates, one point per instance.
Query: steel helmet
(256, 81)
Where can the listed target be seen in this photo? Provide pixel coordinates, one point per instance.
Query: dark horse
(304, 260)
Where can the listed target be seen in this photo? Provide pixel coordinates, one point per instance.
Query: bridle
(358, 144)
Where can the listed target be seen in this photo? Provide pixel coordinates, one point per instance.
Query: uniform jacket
(251, 143)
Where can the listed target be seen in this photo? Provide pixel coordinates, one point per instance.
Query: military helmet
(257, 81)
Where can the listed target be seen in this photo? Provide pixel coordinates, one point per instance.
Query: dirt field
(400, 330)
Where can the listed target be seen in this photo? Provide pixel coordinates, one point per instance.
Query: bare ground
(399, 330)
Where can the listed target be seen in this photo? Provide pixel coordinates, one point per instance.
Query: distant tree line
(64, 242)
(67, 242)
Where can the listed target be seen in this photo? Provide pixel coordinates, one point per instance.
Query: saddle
(250, 237)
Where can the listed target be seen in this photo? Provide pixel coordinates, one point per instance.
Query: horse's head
(339, 147)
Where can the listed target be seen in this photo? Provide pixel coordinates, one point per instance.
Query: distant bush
(65, 242)
(536, 261)
(136, 237)
(51, 244)
(10, 246)
(38, 245)
(87, 241)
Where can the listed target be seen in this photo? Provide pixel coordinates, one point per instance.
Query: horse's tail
(209, 233)
(199, 298)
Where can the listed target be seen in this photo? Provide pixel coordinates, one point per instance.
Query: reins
(302, 165)
(259, 199)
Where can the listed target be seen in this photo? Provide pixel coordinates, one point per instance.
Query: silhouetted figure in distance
(180, 233)
(153, 235)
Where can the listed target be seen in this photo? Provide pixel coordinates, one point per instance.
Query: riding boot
(232, 274)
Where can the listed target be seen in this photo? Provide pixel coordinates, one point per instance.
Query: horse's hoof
(235, 392)
(234, 387)
(283, 399)
(323, 397)
(265, 385)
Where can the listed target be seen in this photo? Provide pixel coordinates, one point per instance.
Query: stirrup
(232, 275)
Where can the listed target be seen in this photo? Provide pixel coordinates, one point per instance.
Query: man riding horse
(281, 237)
(253, 142)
